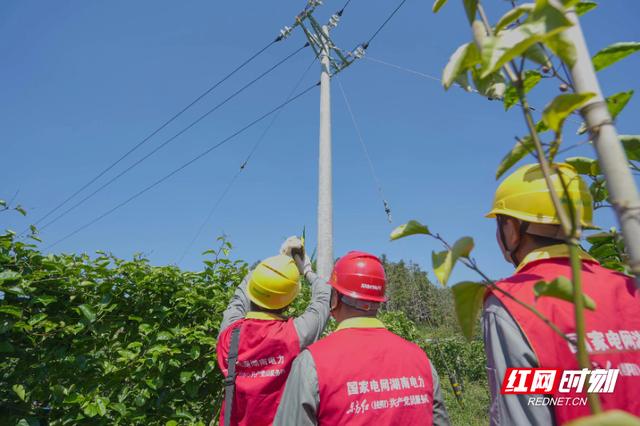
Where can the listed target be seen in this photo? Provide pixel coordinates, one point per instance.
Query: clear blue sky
(82, 82)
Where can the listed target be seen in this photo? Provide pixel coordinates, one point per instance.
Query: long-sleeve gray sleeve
(311, 323)
(238, 306)
(440, 415)
(301, 396)
(506, 346)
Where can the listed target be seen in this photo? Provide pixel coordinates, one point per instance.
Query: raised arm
(238, 306)
(311, 323)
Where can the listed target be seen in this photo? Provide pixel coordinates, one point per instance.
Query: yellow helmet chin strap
(511, 251)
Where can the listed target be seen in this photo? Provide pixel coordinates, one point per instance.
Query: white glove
(294, 248)
(290, 244)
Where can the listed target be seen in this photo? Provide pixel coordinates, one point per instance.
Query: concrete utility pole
(613, 161)
(325, 180)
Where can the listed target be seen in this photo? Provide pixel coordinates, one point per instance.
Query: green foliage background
(107, 341)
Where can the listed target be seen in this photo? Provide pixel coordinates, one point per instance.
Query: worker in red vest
(361, 374)
(530, 237)
(257, 345)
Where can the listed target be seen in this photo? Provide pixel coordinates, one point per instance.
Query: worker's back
(267, 348)
(612, 329)
(371, 376)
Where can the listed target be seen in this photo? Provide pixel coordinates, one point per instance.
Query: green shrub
(109, 341)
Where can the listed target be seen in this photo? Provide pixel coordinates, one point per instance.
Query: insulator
(359, 52)
(284, 33)
(333, 22)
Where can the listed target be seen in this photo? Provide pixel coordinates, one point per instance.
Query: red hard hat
(359, 275)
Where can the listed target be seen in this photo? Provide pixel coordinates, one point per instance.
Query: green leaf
(531, 79)
(512, 15)
(410, 228)
(615, 105)
(537, 54)
(563, 48)
(87, 312)
(631, 144)
(101, 405)
(585, 6)
(463, 247)
(561, 288)
(90, 410)
(561, 106)
(617, 102)
(45, 300)
(36, 318)
(442, 265)
(462, 59)
(470, 8)
(20, 210)
(185, 376)
(468, 298)
(608, 418)
(171, 423)
(8, 276)
(584, 165)
(11, 310)
(437, 5)
(119, 407)
(492, 86)
(164, 335)
(517, 153)
(613, 53)
(543, 23)
(19, 390)
(444, 261)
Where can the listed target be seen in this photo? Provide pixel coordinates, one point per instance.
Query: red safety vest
(612, 330)
(371, 376)
(268, 346)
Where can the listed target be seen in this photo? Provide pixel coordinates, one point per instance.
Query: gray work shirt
(301, 397)
(309, 325)
(506, 346)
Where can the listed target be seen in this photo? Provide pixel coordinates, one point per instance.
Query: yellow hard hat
(274, 283)
(524, 195)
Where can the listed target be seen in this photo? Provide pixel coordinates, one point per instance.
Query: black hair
(259, 308)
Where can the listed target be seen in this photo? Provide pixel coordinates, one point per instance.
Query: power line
(172, 138)
(386, 21)
(242, 166)
(387, 208)
(183, 166)
(162, 126)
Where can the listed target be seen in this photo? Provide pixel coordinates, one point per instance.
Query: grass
(476, 403)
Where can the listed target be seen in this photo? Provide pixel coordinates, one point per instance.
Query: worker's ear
(334, 301)
(508, 236)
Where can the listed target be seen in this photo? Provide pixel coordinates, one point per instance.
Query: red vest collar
(550, 252)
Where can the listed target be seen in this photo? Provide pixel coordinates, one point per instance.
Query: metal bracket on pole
(339, 59)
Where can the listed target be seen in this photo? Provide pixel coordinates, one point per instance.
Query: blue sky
(82, 82)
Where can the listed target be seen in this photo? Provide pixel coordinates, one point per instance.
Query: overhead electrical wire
(183, 166)
(158, 129)
(172, 138)
(386, 21)
(387, 207)
(217, 203)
